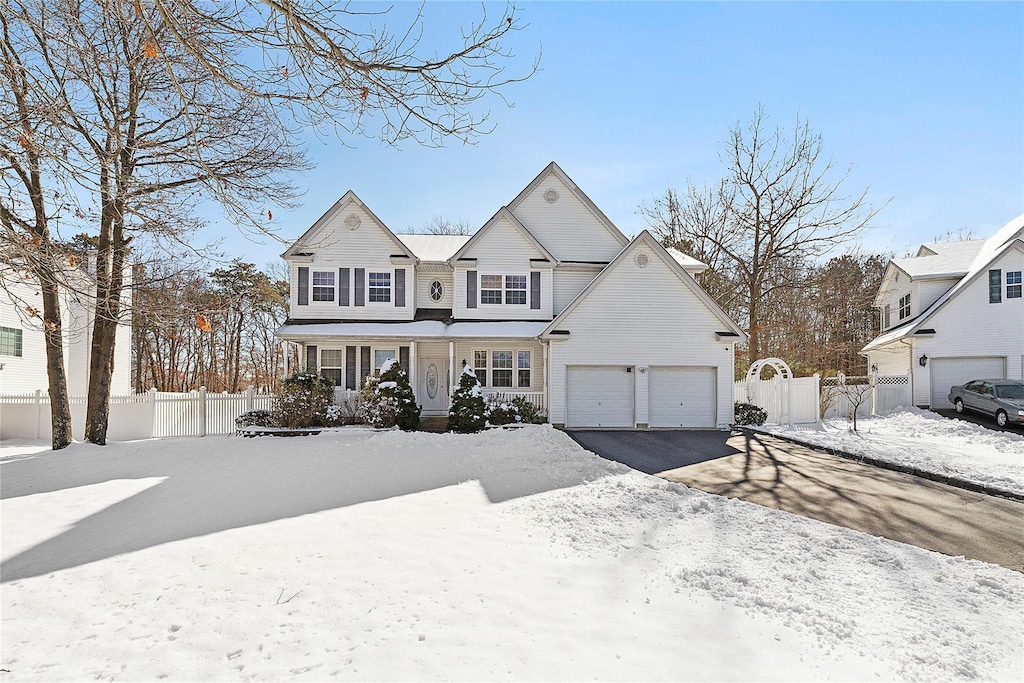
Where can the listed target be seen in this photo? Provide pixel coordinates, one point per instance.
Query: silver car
(1001, 398)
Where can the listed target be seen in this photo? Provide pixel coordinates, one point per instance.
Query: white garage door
(682, 397)
(945, 372)
(599, 396)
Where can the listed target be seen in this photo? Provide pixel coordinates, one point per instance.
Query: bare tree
(857, 395)
(780, 203)
(439, 225)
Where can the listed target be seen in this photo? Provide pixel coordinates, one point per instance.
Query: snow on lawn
(927, 441)
(362, 555)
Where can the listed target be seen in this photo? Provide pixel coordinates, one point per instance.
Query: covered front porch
(507, 357)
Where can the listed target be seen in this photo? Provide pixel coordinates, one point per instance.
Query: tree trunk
(101, 366)
(60, 408)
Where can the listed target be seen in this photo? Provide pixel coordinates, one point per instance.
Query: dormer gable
(348, 220)
(564, 219)
(503, 234)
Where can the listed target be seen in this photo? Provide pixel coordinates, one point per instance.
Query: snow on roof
(419, 329)
(687, 262)
(434, 247)
(951, 259)
(992, 248)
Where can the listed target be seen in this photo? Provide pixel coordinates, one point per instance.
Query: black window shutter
(311, 363)
(343, 295)
(403, 357)
(399, 287)
(304, 287)
(364, 364)
(360, 286)
(995, 286)
(470, 289)
(350, 367)
(535, 290)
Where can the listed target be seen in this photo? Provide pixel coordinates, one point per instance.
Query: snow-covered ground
(505, 555)
(927, 441)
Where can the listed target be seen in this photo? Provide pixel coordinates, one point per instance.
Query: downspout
(910, 350)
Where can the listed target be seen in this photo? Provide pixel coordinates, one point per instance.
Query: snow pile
(364, 555)
(925, 440)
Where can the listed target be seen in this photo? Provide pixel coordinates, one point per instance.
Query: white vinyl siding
(567, 228)
(668, 326)
(567, 284)
(424, 278)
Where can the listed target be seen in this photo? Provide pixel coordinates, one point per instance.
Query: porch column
(451, 367)
(547, 373)
(412, 366)
(285, 349)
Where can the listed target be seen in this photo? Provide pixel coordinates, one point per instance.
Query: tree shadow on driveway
(219, 483)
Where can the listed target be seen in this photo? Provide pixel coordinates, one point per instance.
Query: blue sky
(925, 100)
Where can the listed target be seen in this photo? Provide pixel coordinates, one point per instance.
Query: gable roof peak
(505, 213)
(349, 197)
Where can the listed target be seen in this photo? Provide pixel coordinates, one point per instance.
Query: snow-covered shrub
(517, 410)
(302, 400)
(345, 412)
(749, 414)
(467, 412)
(255, 418)
(387, 400)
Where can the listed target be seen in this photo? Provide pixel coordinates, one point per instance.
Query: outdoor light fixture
(874, 369)
(923, 360)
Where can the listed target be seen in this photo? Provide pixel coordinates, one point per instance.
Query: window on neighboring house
(332, 364)
(904, 306)
(490, 289)
(1013, 284)
(515, 289)
(995, 289)
(886, 317)
(480, 366)
(10, 341)
(381, 356)
(380, 287)
(323, 285)
(524, 369)
(501, 369)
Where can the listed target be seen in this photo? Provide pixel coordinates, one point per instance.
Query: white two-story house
(548, 299)
(952, 313)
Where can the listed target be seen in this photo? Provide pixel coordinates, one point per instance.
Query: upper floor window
(380, 287)
(995, 287)
(436, 290)
(904, 306)
(490, 289)
(1013, 284)
(515, 289)
(10, 341)
(886, 317)
(323, 285)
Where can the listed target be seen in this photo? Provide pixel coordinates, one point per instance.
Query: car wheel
(959, 405)
(1001, 418)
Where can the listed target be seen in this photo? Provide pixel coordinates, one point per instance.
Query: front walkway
(787, 476)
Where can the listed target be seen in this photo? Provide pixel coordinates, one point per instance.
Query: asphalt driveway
(787, 476)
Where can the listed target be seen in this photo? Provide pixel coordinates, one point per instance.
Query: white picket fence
(773, 395)
(139, 416)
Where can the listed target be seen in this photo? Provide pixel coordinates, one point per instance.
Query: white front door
(432, 385)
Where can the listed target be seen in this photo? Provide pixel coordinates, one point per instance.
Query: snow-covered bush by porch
(303, 400)
(517, 410)
(468, 412)
(255, 418)
(387, 400)
(749, 414)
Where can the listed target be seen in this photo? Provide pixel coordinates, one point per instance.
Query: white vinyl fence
(885, 392)
(813, 394)
(141, 416)
(774, 396)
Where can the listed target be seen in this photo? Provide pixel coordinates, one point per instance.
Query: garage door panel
(682, 396)
(599, 396)
(947, 372)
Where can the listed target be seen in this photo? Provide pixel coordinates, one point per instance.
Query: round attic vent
(551, 196)
(352, 221)
(642, 260)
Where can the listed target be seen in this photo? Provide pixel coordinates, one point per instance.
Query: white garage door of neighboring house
(946, 372)
(599, 396)
(682, 397)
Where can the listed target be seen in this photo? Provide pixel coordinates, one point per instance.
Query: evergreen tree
(387, 400)
(468, 411)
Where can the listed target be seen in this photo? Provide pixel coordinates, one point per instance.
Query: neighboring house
(548, 300)
(953, 313)
(22, 349)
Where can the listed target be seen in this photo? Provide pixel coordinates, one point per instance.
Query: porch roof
(420, 329)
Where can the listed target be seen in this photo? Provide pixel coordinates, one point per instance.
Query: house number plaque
(432, 381)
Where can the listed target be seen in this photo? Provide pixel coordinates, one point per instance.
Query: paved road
(978, 419)
(790, 477)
